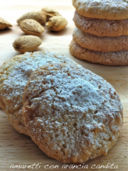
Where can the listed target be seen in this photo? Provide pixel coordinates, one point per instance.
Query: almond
(32, 27)
(27, 43)
(38, 16)
(56, 23)
(4, 24)
(50, 13)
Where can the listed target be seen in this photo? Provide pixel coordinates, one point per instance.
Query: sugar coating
(104, 9)
(14, 75)
(72, 114)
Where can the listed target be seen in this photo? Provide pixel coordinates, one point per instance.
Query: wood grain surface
(18, 152)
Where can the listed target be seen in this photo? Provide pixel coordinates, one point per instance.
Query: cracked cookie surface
(14, 75)
(71, 113)
(102, 9)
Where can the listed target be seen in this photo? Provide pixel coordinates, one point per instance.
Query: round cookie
(72, 114)
(14, 75)
(107, 28)
(106, 58)
(102, 9)
(101, 44)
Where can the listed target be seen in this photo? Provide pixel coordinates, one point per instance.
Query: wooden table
(17, 151)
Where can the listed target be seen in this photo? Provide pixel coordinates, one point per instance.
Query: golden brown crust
(106, 58)
(17, 124)
(101, 44)
(108, 28)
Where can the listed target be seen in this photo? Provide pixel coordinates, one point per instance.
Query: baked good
(102, 9)
(101, 44)
(14, 75)
(106, 58)
(108, 28)
(71, 113)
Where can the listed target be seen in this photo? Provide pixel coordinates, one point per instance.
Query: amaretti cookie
(14, 75)
(102, 9)
(101, 28)
(72, 114)
(105, 58)
(101, 44)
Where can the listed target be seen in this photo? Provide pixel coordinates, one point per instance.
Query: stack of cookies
(101, 35)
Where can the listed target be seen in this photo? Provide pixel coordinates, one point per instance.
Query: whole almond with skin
(50, 13)
(27, 43)
(56, 23)
(4, 24)
(39, 16)
(32, 27)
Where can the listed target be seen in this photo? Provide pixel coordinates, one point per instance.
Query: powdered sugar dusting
(107, 9)
(14, 75)
(71, 112)
(105, 3)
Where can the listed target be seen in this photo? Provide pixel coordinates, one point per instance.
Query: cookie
(14, 75)
(101, 44)
(108, 28)
(72, 114)
(106, 58)
(103, 9)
